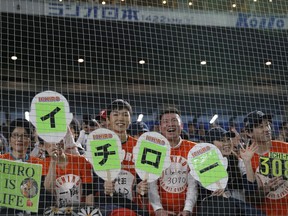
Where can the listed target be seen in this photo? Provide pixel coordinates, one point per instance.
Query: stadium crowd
(257, 167)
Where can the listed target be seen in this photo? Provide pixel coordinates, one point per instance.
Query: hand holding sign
(105, 153)
(151, 155)
(208, 166)
(50, 114)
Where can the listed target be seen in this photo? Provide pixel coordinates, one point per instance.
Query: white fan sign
(151, 155)
(104, 151)
(50, 114)
(208, 166)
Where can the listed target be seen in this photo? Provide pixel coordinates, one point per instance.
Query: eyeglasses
(23, 136)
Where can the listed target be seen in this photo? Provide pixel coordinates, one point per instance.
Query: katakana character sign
(104, 151)
(50, 114)
(208, 166)
(152, 155)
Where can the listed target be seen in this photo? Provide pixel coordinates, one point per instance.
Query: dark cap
(253, 119)
(218, 134)
(102, 115)
(137, 128)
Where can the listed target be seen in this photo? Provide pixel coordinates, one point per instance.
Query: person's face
(119, 120)
(85, 127)
(51, 147)
(225, 146)
(20, 140)
(92, 128)
(72, 150)
(263, 132)
(171, 126)
(191, 129)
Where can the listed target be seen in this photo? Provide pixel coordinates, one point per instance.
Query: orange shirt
(77, 165)
(126, 179)
(274, 163)
(173, 182)
(30, 159)
(127, 163)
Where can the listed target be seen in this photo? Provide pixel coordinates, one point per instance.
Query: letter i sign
(50, 114)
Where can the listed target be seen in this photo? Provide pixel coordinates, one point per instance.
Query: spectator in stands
(155, 127)
(87, 127)
(136, 129)
(75, 128)
(271, 176)
(69, 177)
(130, 187)
(70, 146)
(39, 150)
(283, 132)
(193, 132)
(184, 135)
(3, 145)
(163, 201)
(231, 200)
(20, 136)
(237, 141)
(101, 118)
(201, 132)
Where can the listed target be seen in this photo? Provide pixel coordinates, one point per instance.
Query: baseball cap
(102, 115)
(253, 119)
(218, 134)
(137, 127)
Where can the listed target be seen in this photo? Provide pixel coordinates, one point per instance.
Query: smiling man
(175, 193)
(119, 119)
(270, 164)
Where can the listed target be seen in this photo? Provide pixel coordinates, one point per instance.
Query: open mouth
(171, 130)
(226, 148)
(120, 124)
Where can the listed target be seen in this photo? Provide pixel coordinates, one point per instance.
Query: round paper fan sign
(104, 151)
(208, 166)
(50, 114)
(151, 155)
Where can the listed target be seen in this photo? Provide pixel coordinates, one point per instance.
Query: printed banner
(20, 185)
(181, 16)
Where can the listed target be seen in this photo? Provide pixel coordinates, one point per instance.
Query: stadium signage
(146, 14)
(264, 22)
(111, 13)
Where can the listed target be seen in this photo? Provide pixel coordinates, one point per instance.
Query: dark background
(234, 82)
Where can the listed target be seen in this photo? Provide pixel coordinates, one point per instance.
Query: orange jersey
(29, 159)
(267, 166)
(126, 179)
(127, 163)
(77, 165)
(173, 182)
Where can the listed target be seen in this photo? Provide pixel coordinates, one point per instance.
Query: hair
(119, 104)
(169, 110)
(75, 125)
(23, 123)
(283, 125)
